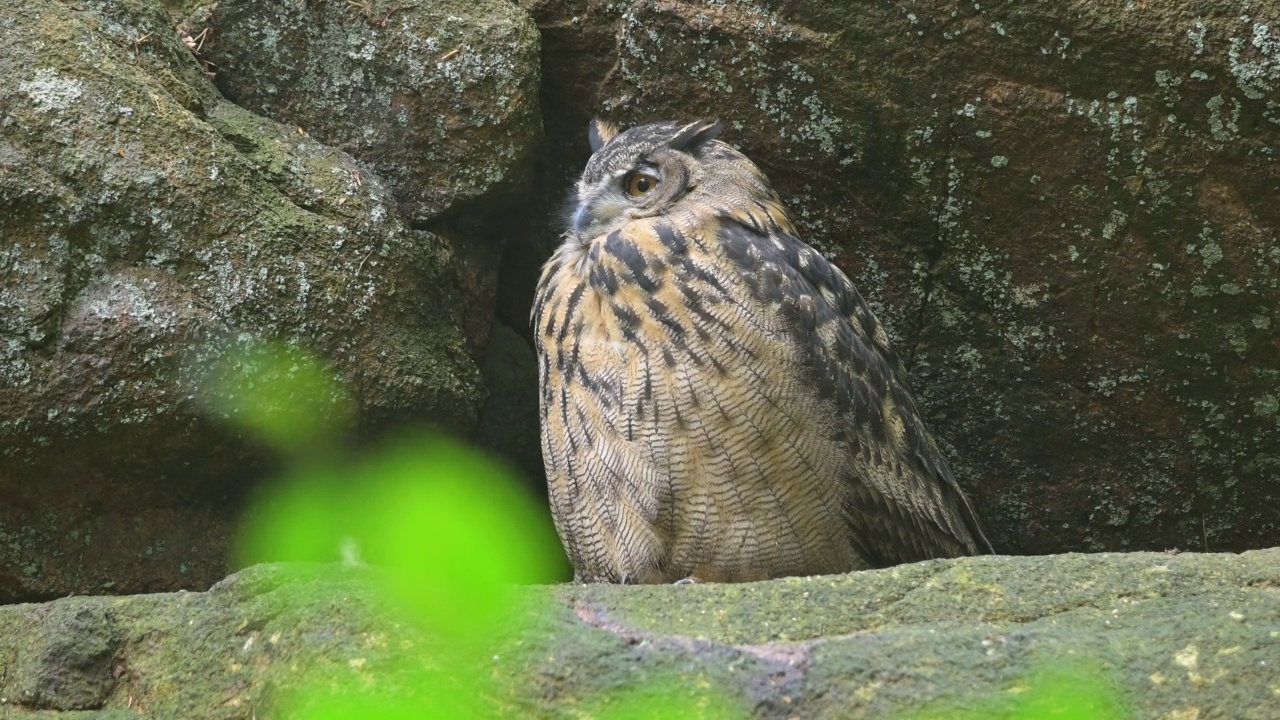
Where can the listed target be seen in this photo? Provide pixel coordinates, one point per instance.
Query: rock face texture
(1160, 636)
(150, 228)
(1065, 212)
(439, 98)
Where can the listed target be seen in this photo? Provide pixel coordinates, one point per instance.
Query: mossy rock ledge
(1171, 635)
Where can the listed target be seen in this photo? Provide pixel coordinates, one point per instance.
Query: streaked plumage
(718, 401)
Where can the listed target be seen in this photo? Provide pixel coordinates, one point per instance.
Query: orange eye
(640, 183)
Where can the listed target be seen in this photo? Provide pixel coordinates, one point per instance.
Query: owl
(718, 403)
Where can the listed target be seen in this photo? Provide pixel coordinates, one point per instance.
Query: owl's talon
(691, 580)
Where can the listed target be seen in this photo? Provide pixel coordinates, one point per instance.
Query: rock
(150, 229)
(70, 659)
(1064, 212)
(509, 421)
(1157, 635)
(438, 97)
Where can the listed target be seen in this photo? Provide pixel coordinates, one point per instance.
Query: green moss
(1165, 630)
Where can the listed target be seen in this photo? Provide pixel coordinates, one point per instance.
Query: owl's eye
(640, 183)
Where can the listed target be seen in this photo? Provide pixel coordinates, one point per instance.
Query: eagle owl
(718, 402)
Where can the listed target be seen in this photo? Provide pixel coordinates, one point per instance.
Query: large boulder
(1065, 212)
(1147, 635)
(149, 229)
(439, 97)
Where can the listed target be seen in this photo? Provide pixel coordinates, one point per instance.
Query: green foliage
(422, 694)
(279, 394)
(1061, 690)
(451, 531)
(452, 528)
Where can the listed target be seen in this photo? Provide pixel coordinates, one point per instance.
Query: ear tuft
(695, 134)
(600, 132)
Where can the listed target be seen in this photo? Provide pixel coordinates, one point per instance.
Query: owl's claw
(691, 580)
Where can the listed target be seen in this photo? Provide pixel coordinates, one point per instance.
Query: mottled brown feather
(717, 399)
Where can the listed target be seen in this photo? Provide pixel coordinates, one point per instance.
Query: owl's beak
(582, 218)
(595, 213)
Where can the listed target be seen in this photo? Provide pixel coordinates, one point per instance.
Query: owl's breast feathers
(720, 323)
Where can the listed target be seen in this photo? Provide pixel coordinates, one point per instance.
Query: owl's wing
(906, 504)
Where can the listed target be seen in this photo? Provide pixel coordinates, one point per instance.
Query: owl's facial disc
(638, 191)
(639, 173)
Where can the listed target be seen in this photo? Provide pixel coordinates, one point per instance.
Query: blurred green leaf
(455, 529)
(279, 394)
(452, 527)
(1072, 689)
(413, 696)
(298, 519)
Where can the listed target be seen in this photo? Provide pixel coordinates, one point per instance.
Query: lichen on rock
(1063, 212)
(151, 227)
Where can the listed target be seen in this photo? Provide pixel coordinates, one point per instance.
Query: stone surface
(509, 420)
(1064, 211)
(1169, 636)
(439, 97)
(148, 228)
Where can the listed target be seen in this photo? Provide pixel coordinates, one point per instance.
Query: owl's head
(652, 170)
